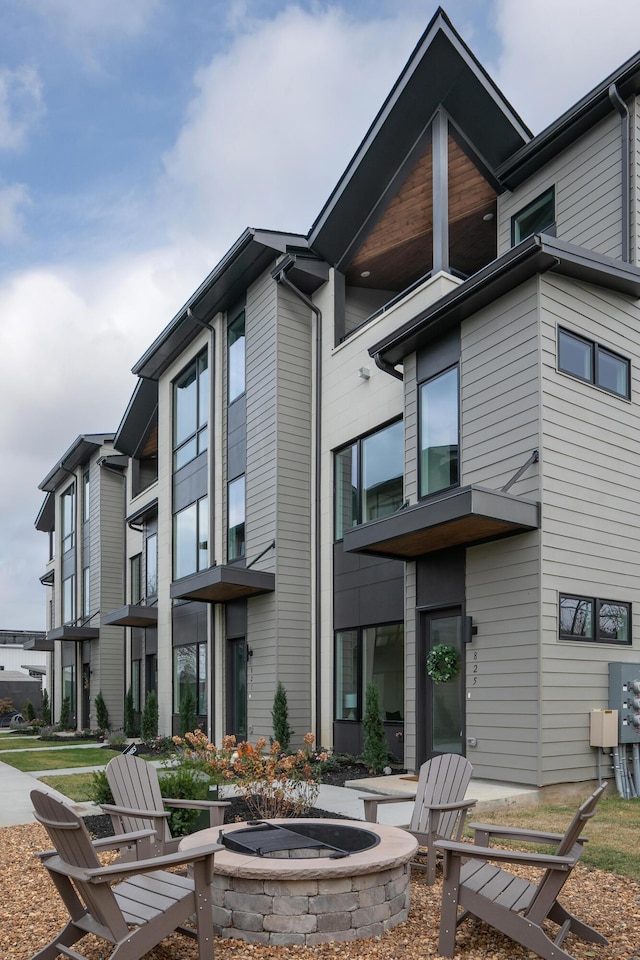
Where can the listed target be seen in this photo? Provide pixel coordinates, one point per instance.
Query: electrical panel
(624, 696)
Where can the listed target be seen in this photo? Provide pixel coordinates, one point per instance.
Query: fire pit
(308, 881)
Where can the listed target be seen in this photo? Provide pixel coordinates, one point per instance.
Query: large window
(537, 217)
(69, 599)
(369, 476)
(600, 621)
(69, 689)
(68, 518)
(236, 357)
(191, 411)
(236, 508)
(370, 655)
(190, 674)
(439, 433)
(191, 539)
(589, 361)
(151, 566)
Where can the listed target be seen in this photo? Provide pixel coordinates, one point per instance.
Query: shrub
(102, 714)
(100, 791)
(28, 711)
(183, 783)
(130, 727)
(65, 714)
(280, 718)
(188, 718)
(149, 719)
(117, 739)
(6, 706)
(375, 750)
(46, 709)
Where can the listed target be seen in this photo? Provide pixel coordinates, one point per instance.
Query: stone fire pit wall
(312, 900)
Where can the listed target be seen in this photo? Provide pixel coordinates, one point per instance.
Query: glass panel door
(237, 689)
(444, 709)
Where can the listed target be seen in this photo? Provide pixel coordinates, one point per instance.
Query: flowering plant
(443, 663)
(273, 784)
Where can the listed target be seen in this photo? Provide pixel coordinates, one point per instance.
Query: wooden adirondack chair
(147, 898)
(439, 810)
(510, 904)
(139, 803)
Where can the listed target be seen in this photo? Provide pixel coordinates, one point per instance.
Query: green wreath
(443, 663)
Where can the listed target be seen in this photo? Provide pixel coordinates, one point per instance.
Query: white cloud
(13, 199)
(20, 105)
(556, 51)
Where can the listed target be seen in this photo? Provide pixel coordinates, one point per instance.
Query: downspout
(619, 105)
(281, 277)
(104, 464)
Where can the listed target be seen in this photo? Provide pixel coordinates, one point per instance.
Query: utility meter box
(604, 728)
(624, 696)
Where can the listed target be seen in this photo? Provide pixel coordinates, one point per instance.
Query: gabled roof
(537, 254)
(441, 72)
(250, 255)
(79, 452)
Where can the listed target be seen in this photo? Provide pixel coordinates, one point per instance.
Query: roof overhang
(39, 643)
(221, 583)
(48, 578)
(138, 418)
(575, 122)
(131, 615)
(79, 452)
(464, 517)
(45, 521)
(251, 254)
(75, 634)
(441, 72)
(536, 255)
(140, 513)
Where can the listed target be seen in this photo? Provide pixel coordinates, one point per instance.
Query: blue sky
(138, 139)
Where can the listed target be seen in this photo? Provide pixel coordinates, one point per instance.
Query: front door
(237, 688)
(441, 713)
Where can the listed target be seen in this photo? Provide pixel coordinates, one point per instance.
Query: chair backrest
(134, 783)
(443, 779)
(72, 843)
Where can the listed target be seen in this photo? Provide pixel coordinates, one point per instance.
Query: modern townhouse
(83, 515)
(417, 425)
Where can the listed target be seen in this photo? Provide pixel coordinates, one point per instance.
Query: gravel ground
(31, 913)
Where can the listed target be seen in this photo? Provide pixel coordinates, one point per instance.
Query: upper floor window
(369, 478)
(236, 510)
(191, 411)
(537, 217)
(601, 621)
(151, 566)
(86, 592)
(135, 577)
(191, 539)
(68, 518)
(439, 433)
(589, 361)
(85, 496)
(69, 599)
(236, 356)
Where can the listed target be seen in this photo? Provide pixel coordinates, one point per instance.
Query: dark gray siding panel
(236, 618)
(237, 438)
(440, 355)
(366, 590)
(440, 579)
(190, 483)
(189, 623)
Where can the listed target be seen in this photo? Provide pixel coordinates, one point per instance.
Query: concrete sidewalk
(16, 786)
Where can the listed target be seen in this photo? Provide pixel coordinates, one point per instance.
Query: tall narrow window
(68, 518)
(190, 675)
(439, 422)
(86, 593)
(236, 508)
(190, 539)
(69, 599)
(370, 655)
(86, 489)
(236, 357)
(191, 411)
(369, 478)
(151, 566)
(135, 578)
(346, 494)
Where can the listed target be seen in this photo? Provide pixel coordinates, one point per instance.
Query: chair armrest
(469, 851)
(134, 812)
(195, 804)
(459, 805)
(489, 830)
(122, 840)
(118, 871)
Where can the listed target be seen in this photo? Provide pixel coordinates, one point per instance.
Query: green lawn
(20, 743)
(613, 833)
(61, 759)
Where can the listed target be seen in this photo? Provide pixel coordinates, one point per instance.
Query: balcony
(218, 584)
(131, 615)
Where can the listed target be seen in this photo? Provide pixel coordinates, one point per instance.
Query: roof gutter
(281, 277)
(387, 367)
(623, 110)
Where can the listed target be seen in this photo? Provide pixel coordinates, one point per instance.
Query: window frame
(356, 706)
(199, 436)
(68, 518)
(527, 210)
(595, 350)
(150, 565)
(596, 604)
(242, 526)
(421, 386)
(135, 579)
(357, 449)
(239, 320)
(199, 689)
(201, 552)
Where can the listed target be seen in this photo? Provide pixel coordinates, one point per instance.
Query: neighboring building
(416, 425)
(21, 657)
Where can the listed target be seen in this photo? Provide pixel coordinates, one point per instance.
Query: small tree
(130, 727)
(102, 714)
(65, 713)
(375, 750)
(46, 708)
(28, 711)
(280, 718)
(149, 719)
(188, 718)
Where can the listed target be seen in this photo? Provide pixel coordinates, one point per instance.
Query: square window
(537, 217)
(576, 618)
(575, 356)
(613, 622)
(612, 372)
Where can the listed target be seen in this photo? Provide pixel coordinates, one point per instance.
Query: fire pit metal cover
(263, 839)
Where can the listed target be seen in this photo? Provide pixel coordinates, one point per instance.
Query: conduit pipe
(635, 754)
